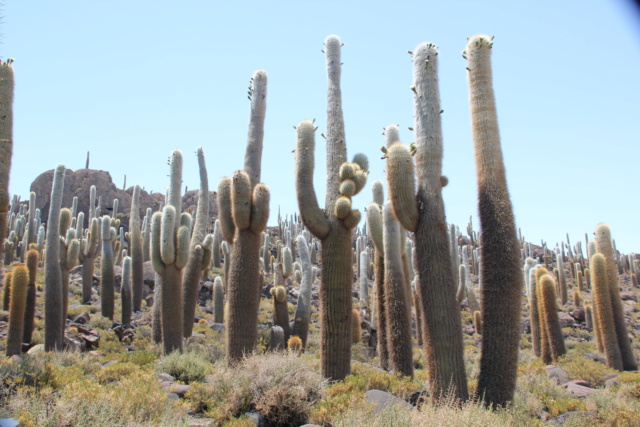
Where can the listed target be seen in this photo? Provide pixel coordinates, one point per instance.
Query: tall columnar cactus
(19, 285)
(534, 313)
(126, 291)
(69, 252)
(243, 203)
(303, 308)
(549, 320)
(107, 276)
(215, 248)
(146, 236)
(218, 300)
(32, 227)
(602, 304)
(334, 225)
(169, 254)
(6, 297)
(136, 250)
(605, 247)
(52, 273)
(423, 213)
(193, 270)
(562, 280)
(6, 144)
(501, 278)
(30, 307)
(374, 222)
(398, 310)
(89, 248)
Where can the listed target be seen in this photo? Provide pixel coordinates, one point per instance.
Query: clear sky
(130, 80)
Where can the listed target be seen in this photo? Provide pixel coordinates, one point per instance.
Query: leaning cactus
(193, 270)
(501, 278)
(52, 274)
(19, 285)
(334, 225)
(169, 255)
(244, 211)
(604, 246)
(423, 213)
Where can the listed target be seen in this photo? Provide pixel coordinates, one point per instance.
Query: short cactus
(19, 286)
(218, 300)
(294, 344)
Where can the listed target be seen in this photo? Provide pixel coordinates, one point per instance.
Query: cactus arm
(167, 238)
(312, 215)
(174, 199)
(253, 153)
(156, 242)
(227, 227)
(260, 208)
(401, 177)
(241, 200)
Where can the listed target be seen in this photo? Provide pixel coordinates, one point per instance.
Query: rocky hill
(78, 184)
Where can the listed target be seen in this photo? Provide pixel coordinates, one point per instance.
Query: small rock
(82, 318)
(179, 389)
(109, 363)
(579, 390)
(256, 417)
(582, 415)
(469, 330)
(197, 318)
(628, 296)
(165, 377)
(16, 359)
(218, 327)
(36, 349)
(595, 357)
(610, 380)
(173, 396)
(382, 399)
(96, 353)
(557, 374)
(578, 314)
(565, 319)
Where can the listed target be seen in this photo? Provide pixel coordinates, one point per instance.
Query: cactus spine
(502, 279)
(605, 247)
(423, 213)
(193, 271)
(52, 273)
(334, 233)
(19, 285)
(245, 212)
(170, 253)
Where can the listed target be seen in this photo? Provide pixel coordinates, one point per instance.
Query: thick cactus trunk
(171, 304)
(243, 295)
(336, 302)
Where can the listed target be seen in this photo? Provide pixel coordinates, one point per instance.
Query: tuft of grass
(187, 367)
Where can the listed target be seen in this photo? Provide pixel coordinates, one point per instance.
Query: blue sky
(132, 80)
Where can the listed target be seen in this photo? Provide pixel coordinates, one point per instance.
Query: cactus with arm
(244, 211)
(423, 213)
(335, 227)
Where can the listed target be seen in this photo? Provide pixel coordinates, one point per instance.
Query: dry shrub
(282, 387)
(187, 367)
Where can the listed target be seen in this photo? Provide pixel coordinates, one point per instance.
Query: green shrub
(187, 367)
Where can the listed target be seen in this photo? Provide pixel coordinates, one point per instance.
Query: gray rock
(566, 320)
(595, 357)
(36, 349)
(218, 327)
(557, 374)
(165, 377)
(256, 417)
(83, 318)
(577, 389)
(382, 399)
(581, 415)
